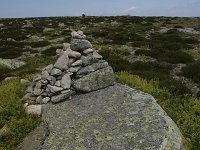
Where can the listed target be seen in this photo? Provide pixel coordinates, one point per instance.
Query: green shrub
(13, 115)
(184, 110)
(39, 44)
(192, 71)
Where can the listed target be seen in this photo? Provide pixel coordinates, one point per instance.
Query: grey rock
(45, 100)
(5, 131)
(37, 91)
(80, 44)
(39, 99)
(30, 89)
(34, 110)
(95, 80)
(77, 63)
(38, 85)
(48, 68)
(29, 96)
(66, 46)
(74, 69)
(54, 89)
(25, 82)
(88, 60)
(92, 68)
(11, 63)
(62, 62)
(58, 83)
(59, 52)
(66, 81)
(10, 78)
(61, 97)
(96, 55)
(88, 51)
(56, 72)
(78, 35)
(44, 82)
(52, 80)
(73, 54)
(44, 75)
(37, 78)
(71, 61)
(114, 118)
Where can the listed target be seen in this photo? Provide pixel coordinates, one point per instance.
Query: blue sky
(41, 8)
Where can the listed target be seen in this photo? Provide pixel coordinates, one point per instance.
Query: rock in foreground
(114, 118)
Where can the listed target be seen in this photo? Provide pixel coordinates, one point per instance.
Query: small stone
(77, 63)
(48, 68)
(88, 51)
(44, 75)
(58, 83)
(5, 131)
(61, 97)
(62, 62)
(38, 91)
(39, 99)
(25, 82)
(66, 46)
(88, 60)
(10, 78)
(38, 85)
(29, 96)
(37, 78)
(56, 72)
(66, 81)
(59, 52)
(34, 109)
(74, 69)
(29, 89)
(92, 68)
(78, 35)
(73, 54)
(25, 105)
(96, 55)
(71, 61)
(45, 100)
(44, 82)
(54, 89)
(52, 80)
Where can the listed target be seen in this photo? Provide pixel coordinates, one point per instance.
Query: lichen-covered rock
(73, 54)
(114, 118)
(80, 44)
(95, 80)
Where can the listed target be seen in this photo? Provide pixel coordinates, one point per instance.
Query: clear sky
(42, 8)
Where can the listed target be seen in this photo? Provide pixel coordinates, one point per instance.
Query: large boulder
(116, 118)
(95, 80)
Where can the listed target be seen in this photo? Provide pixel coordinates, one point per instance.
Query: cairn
(78, 69)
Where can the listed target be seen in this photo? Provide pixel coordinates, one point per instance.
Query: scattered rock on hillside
(11, 63)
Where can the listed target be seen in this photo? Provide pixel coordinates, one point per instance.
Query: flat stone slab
(115, 118)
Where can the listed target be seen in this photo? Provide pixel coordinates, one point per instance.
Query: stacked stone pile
(79, 68)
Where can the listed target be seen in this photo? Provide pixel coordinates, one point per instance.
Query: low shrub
(12, 114)
(192, 71)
